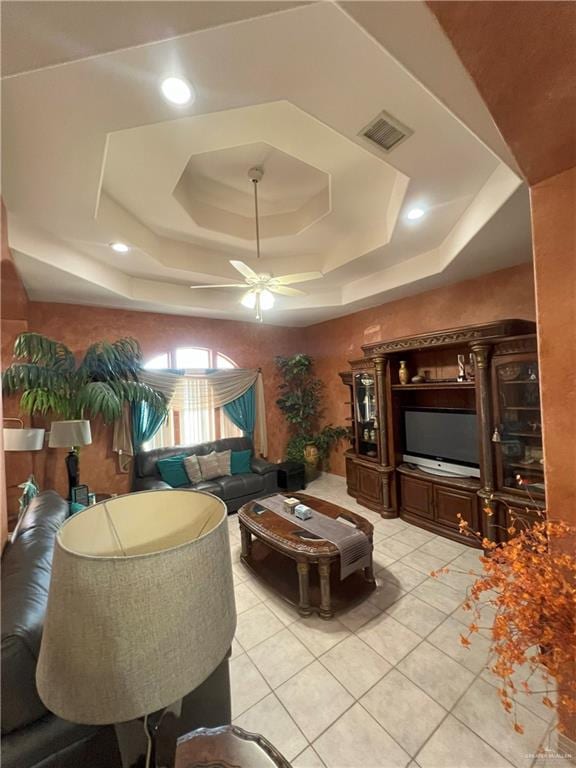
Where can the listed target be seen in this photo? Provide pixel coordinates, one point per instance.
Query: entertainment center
(447, 424)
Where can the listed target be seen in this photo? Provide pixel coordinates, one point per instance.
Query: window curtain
(242, 411)
(145, 424)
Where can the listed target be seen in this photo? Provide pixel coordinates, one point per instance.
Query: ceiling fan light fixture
(177, 91)
(266, 299)
(248, 300)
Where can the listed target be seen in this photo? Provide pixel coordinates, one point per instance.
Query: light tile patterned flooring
(386, 684)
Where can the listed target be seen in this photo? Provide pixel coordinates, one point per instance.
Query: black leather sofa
(32, 737)
(234, 490)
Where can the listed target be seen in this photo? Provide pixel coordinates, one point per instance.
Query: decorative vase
(403, 373)
(312, 461)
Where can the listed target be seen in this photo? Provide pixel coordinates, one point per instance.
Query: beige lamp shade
(67, 434)
(23, 439)
(141, 605)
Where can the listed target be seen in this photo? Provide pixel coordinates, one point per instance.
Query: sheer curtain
(197, 413)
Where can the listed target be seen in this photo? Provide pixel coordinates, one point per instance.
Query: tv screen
(442, 434)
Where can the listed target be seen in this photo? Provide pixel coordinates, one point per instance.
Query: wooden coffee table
(269, 539)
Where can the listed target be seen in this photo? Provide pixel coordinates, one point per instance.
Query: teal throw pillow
(172, 470)
(75, 506)
(240, 462)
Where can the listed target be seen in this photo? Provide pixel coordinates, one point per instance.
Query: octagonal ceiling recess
(217, 193)
(291, 92)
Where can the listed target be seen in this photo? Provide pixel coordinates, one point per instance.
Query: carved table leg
(369, 570)
(246, 541)
(326, 611)
(304, 584)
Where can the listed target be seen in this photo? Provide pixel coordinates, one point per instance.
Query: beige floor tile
(282, 610)
(279, 657)
(484, 621)
(455, 746)
(457, 579)
(393, 549)
(356, 617)
(446, 637)
(404, 710)
(319, 635)
(356, 740)
(480, 709)
(261, 589)
(240, 574)
(355, 665)
(247, 686)
(532, 701)
(236, 649)
(440, 547)
(416, 615)
(386, 593)
(269, 718)
(256, 625)
(314, 698)
(438, 595)
(308, 759)
(438, 675)
(423, 562)
(413, 535)
(469, 560)
(380, 561)
(389, 638)
(402, 574)
(245, 597)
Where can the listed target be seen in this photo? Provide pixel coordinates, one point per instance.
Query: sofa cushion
(26, 566)
(224, 459)
(192, 468)
(209, 486)
(240, 485)
(240, 462)
(172, 470)
(209, 466)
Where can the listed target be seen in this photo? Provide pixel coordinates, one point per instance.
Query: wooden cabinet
(434, 503)
(488, 371)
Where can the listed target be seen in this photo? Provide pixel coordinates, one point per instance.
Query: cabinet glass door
(518, 435)
(366, 409)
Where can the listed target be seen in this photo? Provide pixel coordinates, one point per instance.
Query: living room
(225, 286)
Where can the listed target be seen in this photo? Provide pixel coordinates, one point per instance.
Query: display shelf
(436, 385)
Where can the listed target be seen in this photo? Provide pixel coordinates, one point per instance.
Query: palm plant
(46, 373)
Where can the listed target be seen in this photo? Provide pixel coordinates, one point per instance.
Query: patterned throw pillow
(224, 458)
(209, 466)
(192, 469)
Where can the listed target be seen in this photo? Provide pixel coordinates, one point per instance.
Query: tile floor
(386, 684)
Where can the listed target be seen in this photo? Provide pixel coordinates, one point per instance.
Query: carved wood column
(380, 368)
(482, 354)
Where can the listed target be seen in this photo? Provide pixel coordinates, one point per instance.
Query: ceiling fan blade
(244, 269)
(300, 277)
(284, 290)
(243, 286)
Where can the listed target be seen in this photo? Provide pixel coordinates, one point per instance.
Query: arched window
(191, 425)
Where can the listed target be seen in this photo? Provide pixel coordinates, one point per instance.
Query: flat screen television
(442, 441)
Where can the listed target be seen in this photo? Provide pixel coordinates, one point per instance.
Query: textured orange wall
(250, 345)
(508, 293)
(553, 204)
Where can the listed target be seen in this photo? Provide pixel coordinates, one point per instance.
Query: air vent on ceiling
(385, 132)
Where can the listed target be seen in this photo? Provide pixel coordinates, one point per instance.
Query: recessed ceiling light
(177, 91)
(120, 247)
(415, 213)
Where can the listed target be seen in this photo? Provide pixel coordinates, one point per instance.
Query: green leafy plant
(46, 373)
(300, 401)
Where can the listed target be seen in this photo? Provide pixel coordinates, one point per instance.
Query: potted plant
(300, 402)
(51, 381)
(528, 584)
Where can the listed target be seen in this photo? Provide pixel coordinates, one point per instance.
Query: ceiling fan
(263, 286)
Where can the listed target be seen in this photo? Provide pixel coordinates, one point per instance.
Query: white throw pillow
(209, 466)
(192, 469)
(224, 459)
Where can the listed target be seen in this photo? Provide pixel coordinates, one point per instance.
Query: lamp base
(150, 742)
(73, 468)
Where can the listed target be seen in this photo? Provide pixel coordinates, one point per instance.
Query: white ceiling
(93, 154)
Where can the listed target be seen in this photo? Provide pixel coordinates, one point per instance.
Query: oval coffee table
(268, 540)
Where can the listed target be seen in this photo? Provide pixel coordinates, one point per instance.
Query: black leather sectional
(235, 490)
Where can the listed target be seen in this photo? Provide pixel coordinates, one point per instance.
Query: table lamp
(70, 434)
(141, 608)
